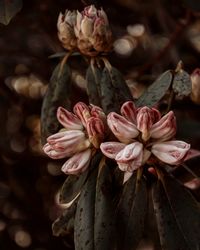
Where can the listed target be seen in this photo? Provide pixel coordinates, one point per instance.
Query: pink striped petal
(111, 149)
(124, 130)
(165, 128)
(171, 152)
(128, 110)
(82, 111)
(78, 163)
(95, 130)
(68, 119)
(146, 117)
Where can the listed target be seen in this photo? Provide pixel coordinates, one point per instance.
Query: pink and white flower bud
(67, 143)
(65, 27)
(171, 152)
(111, 149)
(146, 117)
(129, 111)
(123, 129)
(78, 163)
(195, 79)
(96, 131)
(83, 112)
(97, 112)
(165, 128)
(93, 32)
(68, 119)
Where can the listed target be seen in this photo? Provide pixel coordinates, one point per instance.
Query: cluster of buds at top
(142, 134)
(83, 132)
(87, 31)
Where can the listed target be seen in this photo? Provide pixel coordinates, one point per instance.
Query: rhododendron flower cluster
(143, 132)
(140, 133)
(83, 132)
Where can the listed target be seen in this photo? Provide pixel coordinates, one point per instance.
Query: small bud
(195, 79)
(95, 130)
(65, 27)
(93, 32)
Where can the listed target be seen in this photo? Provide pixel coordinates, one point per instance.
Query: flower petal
(68, 119)
(95, 130)
(123, 129)
(146, 117)
(77, 163)
(165, 128)
(171, 152)
(133, 151)
(49, 150)
(68, 142)
(128, 110)
(111, 149)
(82, 111)
(130, 158)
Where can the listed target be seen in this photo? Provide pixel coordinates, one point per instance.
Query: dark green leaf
(84, 218)
(171, 237)
(8, 9)
(192, 4)
(186, 210)
(156, 91)
(73, 184)
(104, 209)
(58, 94)
(72, 187)
(181, 83)
(131, 213)
(122, 91)
(107, 93)
(93, 77)
(64, 224)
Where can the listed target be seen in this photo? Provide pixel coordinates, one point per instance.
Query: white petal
(77, 163)
(123, 129)
(68, 119)
(171, 152)
(111, 149)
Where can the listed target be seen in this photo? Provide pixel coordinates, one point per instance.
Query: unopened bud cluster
(140, 133)
(87, 31)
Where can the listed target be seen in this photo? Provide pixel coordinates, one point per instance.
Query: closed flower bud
(146, 117)
(96, 131)
(65, 27)
(93, 32)
(195, 79)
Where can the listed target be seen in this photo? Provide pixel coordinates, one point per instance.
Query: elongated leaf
(156, 91)
(104, 209)
(181, 83)
(58, 94)
(122, 91)
(72, 187)
(171, 237)
(73, 184)
(8, 9)
(131, 213)
(186, 210)
(93, 77)
(84, 218)
(63, 225)
(107, 93)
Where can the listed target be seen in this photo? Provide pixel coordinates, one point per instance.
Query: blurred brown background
(149, 38)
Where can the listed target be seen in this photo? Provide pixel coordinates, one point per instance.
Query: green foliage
(182, 85)
(177, 213)
(8, 9)
(131, 211)
(156, 90)
(104, 207)
(58, 94)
